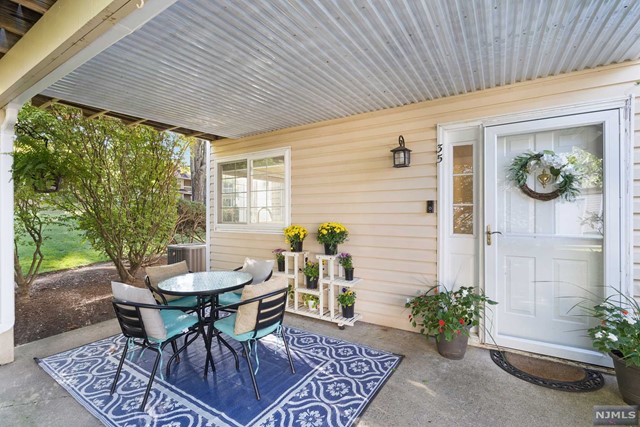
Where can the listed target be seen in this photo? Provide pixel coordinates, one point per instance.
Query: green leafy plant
(311, 270)
(618, 331)
(30, 222)
(345, 260)
(278, 253)
(332, 233)
(306, 298)
(347, 297)
(446, 313)
(191, 223)
(118, 182)
(38, 160)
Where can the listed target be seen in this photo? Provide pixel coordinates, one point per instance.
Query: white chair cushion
(161, 272)
(259, 269)
(247, 313)
(153, 324)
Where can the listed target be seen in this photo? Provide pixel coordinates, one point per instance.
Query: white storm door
(551, 254)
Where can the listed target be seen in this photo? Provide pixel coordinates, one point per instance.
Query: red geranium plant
(445, 313)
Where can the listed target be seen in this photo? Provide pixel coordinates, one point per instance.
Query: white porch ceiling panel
(240, 67)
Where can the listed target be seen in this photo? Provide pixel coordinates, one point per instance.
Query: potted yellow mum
(331, 234)
(295, 235)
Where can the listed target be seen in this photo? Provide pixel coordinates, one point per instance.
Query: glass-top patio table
(207, 285)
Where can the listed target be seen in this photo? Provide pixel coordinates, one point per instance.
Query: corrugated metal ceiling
(239, 67)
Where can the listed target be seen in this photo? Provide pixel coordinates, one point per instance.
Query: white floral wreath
(557, 169)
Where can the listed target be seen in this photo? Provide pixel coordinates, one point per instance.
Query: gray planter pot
(454, 349)
(628, 380)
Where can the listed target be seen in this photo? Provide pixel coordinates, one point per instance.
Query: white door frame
(625, 240)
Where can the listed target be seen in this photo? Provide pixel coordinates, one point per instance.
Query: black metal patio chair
(153, 326)
(260, 313)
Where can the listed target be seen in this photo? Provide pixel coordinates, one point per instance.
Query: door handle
(489, 233)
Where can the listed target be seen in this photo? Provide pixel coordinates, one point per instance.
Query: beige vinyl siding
(341, 171)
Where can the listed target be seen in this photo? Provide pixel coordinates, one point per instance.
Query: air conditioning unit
(193, 253)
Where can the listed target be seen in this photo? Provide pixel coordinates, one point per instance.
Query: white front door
(550, 255)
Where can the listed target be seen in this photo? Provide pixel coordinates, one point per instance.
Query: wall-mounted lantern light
(401, 155)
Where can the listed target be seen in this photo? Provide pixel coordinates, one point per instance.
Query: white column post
(208, 202)
(8, 117)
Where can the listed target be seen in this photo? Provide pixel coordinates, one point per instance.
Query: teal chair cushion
(228, 298)
(191, 301)
(227, 325)
(175, 322)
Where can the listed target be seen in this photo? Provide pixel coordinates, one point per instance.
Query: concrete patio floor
(425, 390)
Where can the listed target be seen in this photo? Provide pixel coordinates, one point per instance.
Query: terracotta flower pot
(628, 379)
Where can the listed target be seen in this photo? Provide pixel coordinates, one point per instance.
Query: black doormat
(546, 373)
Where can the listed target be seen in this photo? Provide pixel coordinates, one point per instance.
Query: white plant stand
(329, 286)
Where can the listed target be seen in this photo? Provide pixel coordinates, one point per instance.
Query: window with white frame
(253, 191)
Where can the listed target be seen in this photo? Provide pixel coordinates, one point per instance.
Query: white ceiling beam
(53, 35)
(68, 35)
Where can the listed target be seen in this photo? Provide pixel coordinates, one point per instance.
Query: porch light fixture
(401, 155)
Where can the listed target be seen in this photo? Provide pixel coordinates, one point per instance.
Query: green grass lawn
(63, 249)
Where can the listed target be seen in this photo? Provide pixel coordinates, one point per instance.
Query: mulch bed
(64, 300)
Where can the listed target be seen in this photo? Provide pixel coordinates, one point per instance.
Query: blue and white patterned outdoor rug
(334, 382)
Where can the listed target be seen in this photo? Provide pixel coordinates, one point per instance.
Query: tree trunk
(199, 171)
(122, 269)
(18, 276)
(24, 281)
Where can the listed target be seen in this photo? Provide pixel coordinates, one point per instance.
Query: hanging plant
(558, 170)
(36, 160)
(39, 169)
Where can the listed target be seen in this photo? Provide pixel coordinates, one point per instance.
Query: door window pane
(463, 189)
(463, 219)
(463, 159)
